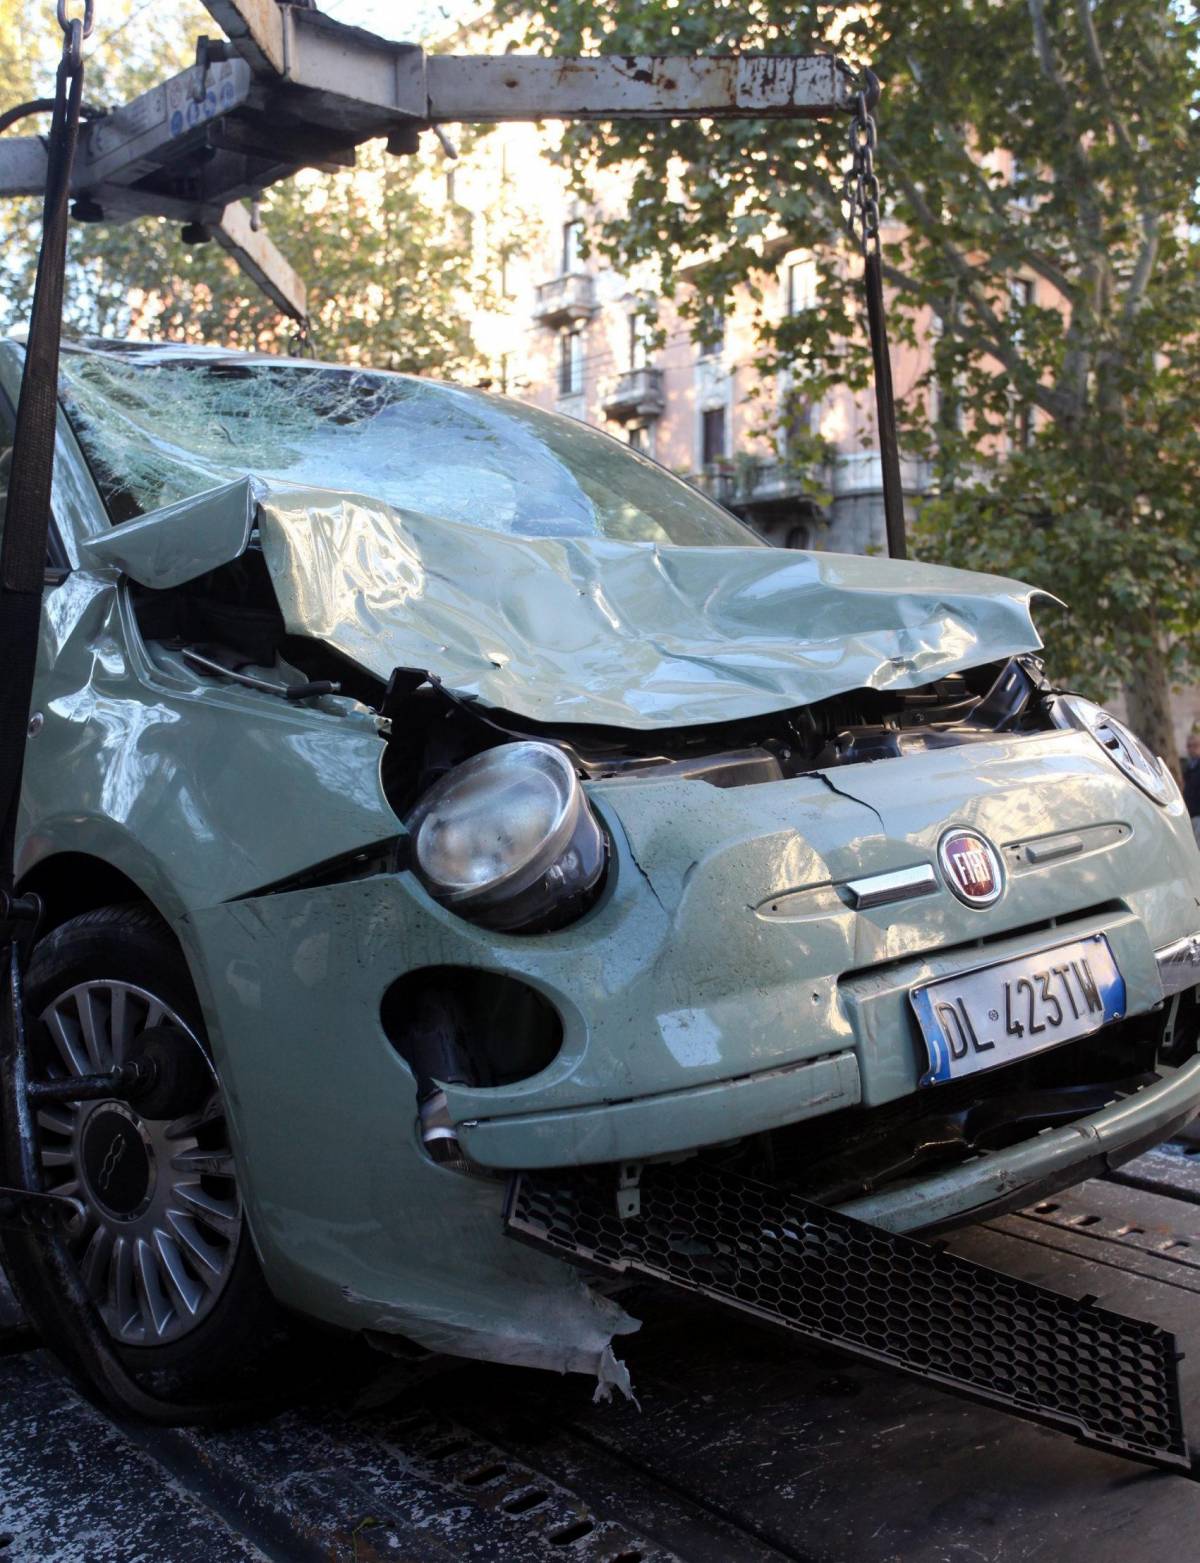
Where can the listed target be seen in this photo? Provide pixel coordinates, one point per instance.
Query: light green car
(465, 794)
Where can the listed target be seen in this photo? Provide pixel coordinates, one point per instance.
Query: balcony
(765, 482)
(564, 300)
(718, 481)
(636, 397)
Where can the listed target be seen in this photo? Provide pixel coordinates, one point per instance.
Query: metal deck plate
(1112, 1381)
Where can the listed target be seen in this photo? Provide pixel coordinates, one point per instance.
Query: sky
(408, 20)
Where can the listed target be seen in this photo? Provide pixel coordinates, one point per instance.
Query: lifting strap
(27, 519)
(51, 1290)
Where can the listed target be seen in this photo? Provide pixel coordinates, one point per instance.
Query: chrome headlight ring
(508, 839)
(1123, 747)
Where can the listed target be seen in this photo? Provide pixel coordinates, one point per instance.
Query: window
(572, 245)
(714, 335)
(1020, 291)
(945, 407)
(1019, 181)
(712, 435)
(801, 286)
(570, 362)
(639, 341)
(712, 326)
(7, 429)
(56, 558)
(637, 437)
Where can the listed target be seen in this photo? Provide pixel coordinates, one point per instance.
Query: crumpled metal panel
(179, 542)
(590, 630)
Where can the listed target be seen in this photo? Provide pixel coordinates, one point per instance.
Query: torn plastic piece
(565, 1329)
(611, 1373)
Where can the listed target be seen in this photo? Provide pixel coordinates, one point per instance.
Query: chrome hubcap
(159, 1214)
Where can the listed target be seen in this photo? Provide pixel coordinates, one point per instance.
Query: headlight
(1123, 747)
(507, 839)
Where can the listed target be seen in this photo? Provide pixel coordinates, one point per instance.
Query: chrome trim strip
(1058, 846)
(898, 885)
(1179, 965)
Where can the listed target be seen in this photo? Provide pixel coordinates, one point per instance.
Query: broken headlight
(1123, 747)
(507, 839)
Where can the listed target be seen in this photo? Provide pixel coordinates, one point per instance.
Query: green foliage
(386, 274)
(1095, 101)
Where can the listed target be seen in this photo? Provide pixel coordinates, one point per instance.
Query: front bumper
(722, 987)
(1057, 1158)
(1005, 1180)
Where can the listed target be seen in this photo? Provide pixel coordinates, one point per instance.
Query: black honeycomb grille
(1111, 1380)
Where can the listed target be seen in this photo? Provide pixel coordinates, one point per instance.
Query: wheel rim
(159, 1213)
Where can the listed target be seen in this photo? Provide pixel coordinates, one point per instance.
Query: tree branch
(1095, 59)
(1045, 50)
(1147, 213)
(999, 342)
(1079, 168)
(958, 149)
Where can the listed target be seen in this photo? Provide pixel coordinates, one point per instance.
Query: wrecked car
(441, 790)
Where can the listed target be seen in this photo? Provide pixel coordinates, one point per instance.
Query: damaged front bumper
(720, 988)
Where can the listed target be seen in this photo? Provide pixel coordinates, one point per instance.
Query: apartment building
(561, 328)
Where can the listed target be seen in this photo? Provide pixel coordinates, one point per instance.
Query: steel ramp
(1111, 1381)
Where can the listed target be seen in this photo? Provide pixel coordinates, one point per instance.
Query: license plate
(990, 1016)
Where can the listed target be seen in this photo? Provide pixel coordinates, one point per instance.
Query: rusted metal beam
(261, 260)
(522, 87)
(255, 28)
(345, 65)
(305, 89)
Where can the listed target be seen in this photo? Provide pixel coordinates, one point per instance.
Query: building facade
(558, 326)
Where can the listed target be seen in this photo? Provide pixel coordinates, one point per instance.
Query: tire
(166, 1253)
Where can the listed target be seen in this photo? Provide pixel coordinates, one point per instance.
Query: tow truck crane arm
(290, 88)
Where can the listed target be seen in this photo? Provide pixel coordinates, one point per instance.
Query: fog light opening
(455, 1025)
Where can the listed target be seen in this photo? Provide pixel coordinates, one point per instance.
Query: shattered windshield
(158, 428)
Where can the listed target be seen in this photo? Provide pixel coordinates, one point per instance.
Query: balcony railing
(717, 481)
(637, 396)
(761, 482)
(563, 300)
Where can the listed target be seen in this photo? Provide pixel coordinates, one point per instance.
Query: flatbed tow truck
(748, 1443)
(754, 1450)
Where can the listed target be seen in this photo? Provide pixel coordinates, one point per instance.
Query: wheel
(161, 1240)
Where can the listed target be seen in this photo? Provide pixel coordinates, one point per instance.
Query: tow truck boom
(289, 88)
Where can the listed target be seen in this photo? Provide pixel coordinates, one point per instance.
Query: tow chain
(862, 197)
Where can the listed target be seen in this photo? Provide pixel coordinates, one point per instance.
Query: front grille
(1110, 1380)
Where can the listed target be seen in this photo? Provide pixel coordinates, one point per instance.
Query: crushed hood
(585, 630)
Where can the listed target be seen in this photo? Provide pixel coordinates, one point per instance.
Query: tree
(387, 274)
(1051, 139)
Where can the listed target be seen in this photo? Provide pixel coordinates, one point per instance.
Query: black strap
(27, 519)
(885, 410)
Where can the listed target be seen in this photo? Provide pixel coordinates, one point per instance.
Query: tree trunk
(1148, 703)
